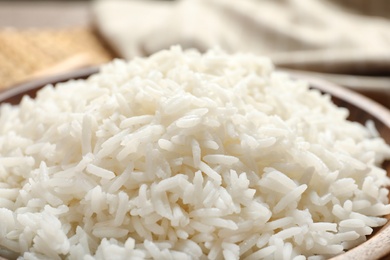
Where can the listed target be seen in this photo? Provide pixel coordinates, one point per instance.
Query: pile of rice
(185, 155)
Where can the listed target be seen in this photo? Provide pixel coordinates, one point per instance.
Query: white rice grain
(100, 172)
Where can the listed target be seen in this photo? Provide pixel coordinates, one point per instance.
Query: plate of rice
(184, 155)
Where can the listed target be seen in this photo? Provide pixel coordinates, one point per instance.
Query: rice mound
(185, 155)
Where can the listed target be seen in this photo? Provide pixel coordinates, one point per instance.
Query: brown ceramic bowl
(361, 109)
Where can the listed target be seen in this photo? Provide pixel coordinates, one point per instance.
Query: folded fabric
(313, 35)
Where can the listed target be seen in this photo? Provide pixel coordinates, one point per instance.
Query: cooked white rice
(187, 156)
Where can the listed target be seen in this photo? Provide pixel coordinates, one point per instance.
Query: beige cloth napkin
(311, 35)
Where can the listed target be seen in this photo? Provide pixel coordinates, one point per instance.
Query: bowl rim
(34, 85)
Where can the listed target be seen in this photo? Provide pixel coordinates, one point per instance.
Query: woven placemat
(27, 53)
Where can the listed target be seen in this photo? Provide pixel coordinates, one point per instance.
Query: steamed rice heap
(182, 156)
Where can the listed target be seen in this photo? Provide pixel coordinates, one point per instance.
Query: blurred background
(344, 41)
